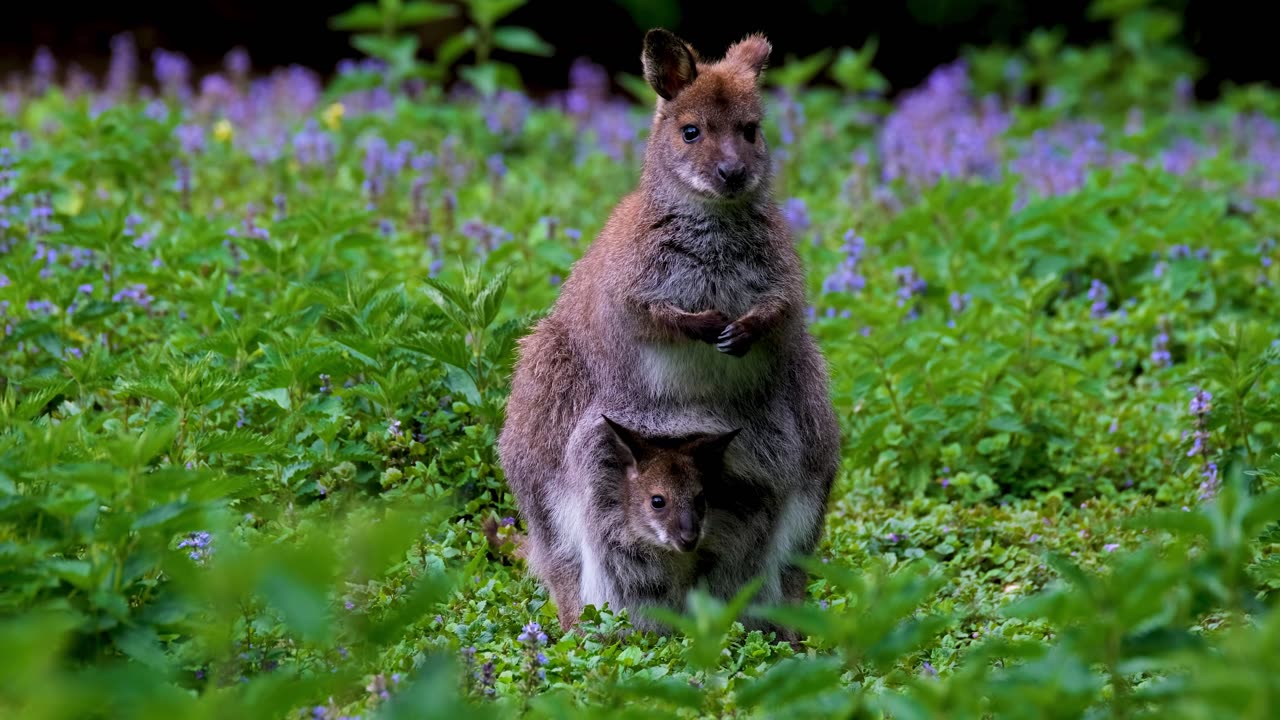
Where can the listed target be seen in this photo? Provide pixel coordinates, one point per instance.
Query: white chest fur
(692, 370)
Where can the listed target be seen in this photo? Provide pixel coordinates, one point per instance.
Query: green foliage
(482, 36)
(243, 464)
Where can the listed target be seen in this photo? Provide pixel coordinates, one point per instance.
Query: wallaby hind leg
(565, 589)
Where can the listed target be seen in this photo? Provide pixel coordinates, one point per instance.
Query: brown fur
(685, 314)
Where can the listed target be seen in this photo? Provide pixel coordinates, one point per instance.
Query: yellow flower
(223, 130)
(333, 115)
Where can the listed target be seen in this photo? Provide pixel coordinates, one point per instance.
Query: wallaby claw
(736, 340)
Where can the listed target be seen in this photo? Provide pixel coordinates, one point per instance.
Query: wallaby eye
(658, 502)
(749, 132)
(691, 133)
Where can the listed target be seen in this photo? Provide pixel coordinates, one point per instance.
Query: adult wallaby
(689, 303)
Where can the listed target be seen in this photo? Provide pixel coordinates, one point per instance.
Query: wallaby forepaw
(708, 325)
(736, 339)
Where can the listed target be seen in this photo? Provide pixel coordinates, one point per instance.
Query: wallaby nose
(732, 173)
(688, 530)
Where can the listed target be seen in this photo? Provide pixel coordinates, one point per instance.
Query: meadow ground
(257, 336)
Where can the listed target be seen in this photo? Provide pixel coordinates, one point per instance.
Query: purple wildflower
(325, 386)
(122, 73)
(846, 278)
(796, 213)
(137, 293)
(173, 72)
(1098, 293)
(909, 285)
(237, 63)
(938, 131)
(394, 429)
(201, 546)
(497, 166)
(1160, 356)
(190, 138)
(506, 113)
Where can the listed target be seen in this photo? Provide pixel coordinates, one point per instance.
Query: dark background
(1234, 38)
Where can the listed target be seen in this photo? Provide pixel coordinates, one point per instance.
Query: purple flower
(532, 634)
(909, 285)
(1111, 547)
(190, 138)
(237, 63)
(497, 166)
(136, 293)
(846, 278)
(173, 72)
(508, 521)
(122, 72)
(394, 429)
(200, 543)
(506, 113)
(796, 213)
(1098, 293)
(1200, 402)
(1160, 356)
(938, 131)
(325, 386)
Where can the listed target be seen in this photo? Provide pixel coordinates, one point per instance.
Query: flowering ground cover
(257, 329)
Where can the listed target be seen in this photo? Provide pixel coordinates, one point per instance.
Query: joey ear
(669, 63)
(712, 445)
(627, 443)
(750, 53)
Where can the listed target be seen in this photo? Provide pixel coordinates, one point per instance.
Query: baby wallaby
(691, 300)
(664, 501)
(660, 487)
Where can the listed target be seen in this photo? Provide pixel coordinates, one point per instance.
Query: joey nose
(732, 173)
(688, 532)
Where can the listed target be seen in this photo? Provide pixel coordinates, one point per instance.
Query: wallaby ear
(627, 443)
(750, 53)
(669, 63)
(711, 445)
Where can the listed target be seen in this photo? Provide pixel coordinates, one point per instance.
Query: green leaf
(455, 47)
(489, 301)
(790, 680)
(237, 442)
(522, 40)
(487, 13)
(364, 16)
(420, 12)
(279, 396)
(460, 382)
(668, 690)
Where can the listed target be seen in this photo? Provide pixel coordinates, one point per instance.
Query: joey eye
(658, 502)
(749, 132)
(690, 133)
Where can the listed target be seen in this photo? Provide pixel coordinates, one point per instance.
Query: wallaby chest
(699, 264)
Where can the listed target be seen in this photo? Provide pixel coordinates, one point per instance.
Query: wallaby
(642, 516)
(689, 303)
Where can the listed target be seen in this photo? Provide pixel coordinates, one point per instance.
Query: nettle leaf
(237, 442)
(419, 12)
(522, 40)
(279, 396)
(788, 681)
